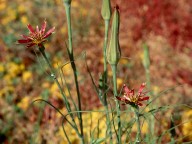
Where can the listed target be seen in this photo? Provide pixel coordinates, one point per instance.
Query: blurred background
(164, 25)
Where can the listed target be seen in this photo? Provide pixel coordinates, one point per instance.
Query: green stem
(114, 71)
(71, 57)
(42, 50)
(138, 137)
(108, 123)
(146, 63)
(104, 54)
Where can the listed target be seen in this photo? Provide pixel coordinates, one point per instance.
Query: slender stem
(108, 123)
(114, 70)
(42, 48)
(71, 57)
(104, 54)
(138, 137)
(146, 63)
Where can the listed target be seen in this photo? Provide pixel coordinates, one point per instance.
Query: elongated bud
(113, 50)
(106, 10)
(146, 58)
(67, 1)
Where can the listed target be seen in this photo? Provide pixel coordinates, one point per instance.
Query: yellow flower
(187, 118)
(91, 125)
(14, 69)
(123, 61)
(24, 20)
(21, 8)
(119, 82)
(27, 75)
(24, 103)
(5, 90)
(2, 5)
(2, 68)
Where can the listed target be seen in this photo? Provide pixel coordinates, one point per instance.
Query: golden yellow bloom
(119, 82)
(21, 9)
(27, 75)
(24, 103)
(24, 20)
(2, 68)
(2, 6)
(187, 117)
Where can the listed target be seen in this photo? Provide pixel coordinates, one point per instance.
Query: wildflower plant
(115, 127)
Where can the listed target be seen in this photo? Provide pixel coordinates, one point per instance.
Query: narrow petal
(141, 88)
(30, 28)
(140, 104)
(131, 92)
(123, 99)
(43, 27)
(49, 32)
(143, 98)
(120, 98)
(126, 89)
(37, 29)
(24, 41)
(25, 37)
(30, 45)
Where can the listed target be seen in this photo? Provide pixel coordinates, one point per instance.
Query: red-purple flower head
(131, 98)
(36, 37)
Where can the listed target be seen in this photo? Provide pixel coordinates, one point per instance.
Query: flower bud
(106, 10)
(113, 50)
(146, 58)
(67, 1)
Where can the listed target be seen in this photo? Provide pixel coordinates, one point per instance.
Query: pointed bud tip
(117, 7)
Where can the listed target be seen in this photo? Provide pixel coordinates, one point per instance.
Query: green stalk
(138, 137)
(146, 63)
(114, 71)
(108, 123)
(105, 54)
(42, 50)
(71, 57)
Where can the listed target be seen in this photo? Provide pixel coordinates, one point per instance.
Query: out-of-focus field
(165, 26)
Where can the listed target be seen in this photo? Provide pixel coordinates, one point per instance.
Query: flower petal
(25, 37)
(43, 27)
(140, 104)
(24, 41)
(120, 98)
(30, 28)
(126, 89)
(49, 32)
(37, 29)
(131, 92)
(30, 45)
(143, 98)
(141, 88)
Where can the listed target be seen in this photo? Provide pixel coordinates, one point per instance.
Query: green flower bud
(67, 1)
(146, 58)
(106, 10)
(113, 50)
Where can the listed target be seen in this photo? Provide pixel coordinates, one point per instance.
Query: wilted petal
(49, 32)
